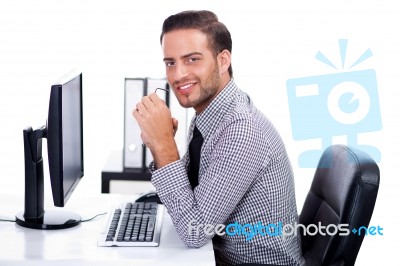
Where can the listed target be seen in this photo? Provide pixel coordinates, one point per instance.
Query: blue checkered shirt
(245, 177)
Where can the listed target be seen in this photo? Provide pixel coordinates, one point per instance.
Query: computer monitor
(64, 133)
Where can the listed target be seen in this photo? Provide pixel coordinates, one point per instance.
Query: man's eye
(169, 64)
(192, 59)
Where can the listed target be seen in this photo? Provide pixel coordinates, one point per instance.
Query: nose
(180, 72)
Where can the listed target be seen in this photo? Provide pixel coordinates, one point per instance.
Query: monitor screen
(65, 137)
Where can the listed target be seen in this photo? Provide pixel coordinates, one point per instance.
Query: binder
(133, 149)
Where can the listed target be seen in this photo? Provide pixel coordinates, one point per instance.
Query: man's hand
(158, 129)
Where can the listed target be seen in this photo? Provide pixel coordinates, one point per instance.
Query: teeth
(186, 86)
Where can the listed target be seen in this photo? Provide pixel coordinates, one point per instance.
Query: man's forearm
(165, 154)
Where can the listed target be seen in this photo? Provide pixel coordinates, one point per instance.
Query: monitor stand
(51, 219)
(34, 216)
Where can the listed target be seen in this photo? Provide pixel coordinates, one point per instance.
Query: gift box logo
(339, 104)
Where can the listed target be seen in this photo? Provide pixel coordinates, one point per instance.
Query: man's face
(191, 68)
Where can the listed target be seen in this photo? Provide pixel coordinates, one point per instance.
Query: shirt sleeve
(232, 165)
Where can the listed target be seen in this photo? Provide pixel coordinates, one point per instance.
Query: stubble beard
(207, 91)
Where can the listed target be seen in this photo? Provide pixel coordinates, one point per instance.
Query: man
(244, 176)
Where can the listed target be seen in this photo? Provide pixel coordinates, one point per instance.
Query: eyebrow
(183, 56)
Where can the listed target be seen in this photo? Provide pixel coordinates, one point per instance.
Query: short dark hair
(219, 37)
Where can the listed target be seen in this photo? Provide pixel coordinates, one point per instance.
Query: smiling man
(239, 172)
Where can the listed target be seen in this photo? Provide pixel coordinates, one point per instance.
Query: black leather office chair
(343, 191)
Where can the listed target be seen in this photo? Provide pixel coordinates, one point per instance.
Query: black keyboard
(133, 224)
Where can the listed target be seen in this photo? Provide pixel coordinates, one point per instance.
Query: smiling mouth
(186, 87)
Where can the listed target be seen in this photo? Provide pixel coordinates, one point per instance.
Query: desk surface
(78, 245)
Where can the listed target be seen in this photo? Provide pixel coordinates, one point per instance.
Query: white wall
(272, 42)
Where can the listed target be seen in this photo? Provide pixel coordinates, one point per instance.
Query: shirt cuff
(169, 178)
(152, 167)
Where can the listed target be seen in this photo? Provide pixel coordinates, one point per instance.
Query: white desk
(78, 245)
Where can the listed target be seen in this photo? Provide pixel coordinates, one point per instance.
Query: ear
(224, 61)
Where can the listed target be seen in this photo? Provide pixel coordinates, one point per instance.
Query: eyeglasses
(163, 89)
(161, 95)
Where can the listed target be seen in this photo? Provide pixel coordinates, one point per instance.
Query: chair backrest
(343, 191)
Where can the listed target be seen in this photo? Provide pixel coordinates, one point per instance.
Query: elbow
(194, 236)
(194, 242)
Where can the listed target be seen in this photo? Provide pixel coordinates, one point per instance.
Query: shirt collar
(211, 117)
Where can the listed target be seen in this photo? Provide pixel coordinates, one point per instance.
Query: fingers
(151, 107)
(137, 115)
(156, 100)
(145, 105)
(149, 104)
